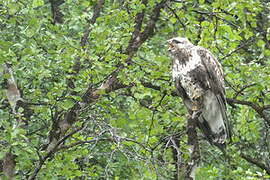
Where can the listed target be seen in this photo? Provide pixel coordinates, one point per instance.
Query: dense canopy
(87, 92)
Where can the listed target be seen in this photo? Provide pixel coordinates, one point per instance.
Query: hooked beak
(171, 46)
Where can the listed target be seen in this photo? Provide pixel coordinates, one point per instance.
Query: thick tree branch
(77, 65)
(53, 150)
(149, 30)
(112, 83)
(62, 125)
(56, 13)
(137, 39)
(9, 165)
(92, 21)
(257, 108)
(137, 30)
(194, 149)
(255, 162)
(15, 100)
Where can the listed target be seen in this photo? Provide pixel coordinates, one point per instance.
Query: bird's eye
(176, 42)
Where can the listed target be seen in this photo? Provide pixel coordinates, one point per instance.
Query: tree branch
(257, 108)
(56, 13)
(214, 14)
(77, 65)
(177, 17)
(242, 89)
(238, 48)
(53, 150)
(194, 149)
(112, 83)
(62, 126)
(255, 162)
(97, 10)
(136, 41)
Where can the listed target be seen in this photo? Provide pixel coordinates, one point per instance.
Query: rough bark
(77, 65)
(9, 165)
(62, 125)
(194, 150)
(12, 91)
(177, 158)
(112, 82)
(14, 99)
(256, 162)
(56, 13)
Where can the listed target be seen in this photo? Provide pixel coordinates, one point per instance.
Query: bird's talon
(195, 96)
(188, 116)
(194, 108)
(195, 114)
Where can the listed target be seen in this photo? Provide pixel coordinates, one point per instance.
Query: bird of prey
(198, 78)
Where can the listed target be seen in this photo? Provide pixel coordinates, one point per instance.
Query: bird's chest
(183, 77)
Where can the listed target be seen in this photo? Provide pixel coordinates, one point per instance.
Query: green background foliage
(133, 131)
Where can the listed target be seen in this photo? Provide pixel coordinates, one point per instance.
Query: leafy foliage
(98, 98)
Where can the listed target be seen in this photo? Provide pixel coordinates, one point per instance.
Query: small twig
(177, 1)
(229, 84)
(178, 163)
(166, 147)
(177, 17)
(238, 48)
(256, 107)
(214, 14)
(175, 135)
(154, 112)
(255, 162)
(136, 142)
(83, 142)
(50, 153)
(242, 89)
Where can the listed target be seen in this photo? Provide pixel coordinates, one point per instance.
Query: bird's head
(178, 43)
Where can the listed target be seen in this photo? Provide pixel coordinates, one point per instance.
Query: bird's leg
(196, 107)
(195, 101)
(196, 114)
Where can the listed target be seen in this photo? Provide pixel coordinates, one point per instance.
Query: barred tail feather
(210, 136)
(224, 116)
(211, 120)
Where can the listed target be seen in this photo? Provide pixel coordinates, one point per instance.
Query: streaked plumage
(198, 78)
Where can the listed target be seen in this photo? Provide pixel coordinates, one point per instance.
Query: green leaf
(205, 23)
(37, 3)
(86, 3)
(201, 1)
(173, 20)
(260, 43)
(67, 104)
(12, 8)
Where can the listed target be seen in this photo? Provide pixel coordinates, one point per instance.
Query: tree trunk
(194, 150)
